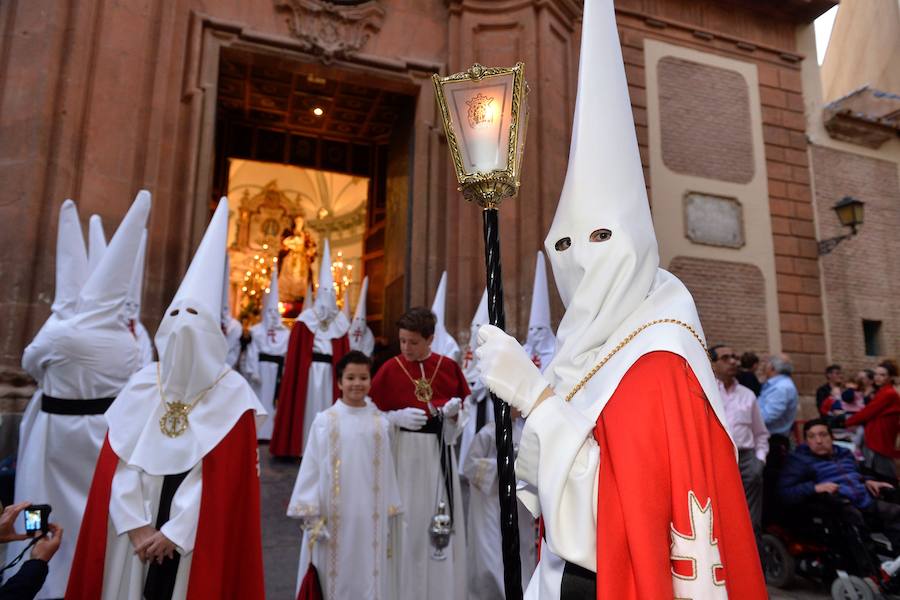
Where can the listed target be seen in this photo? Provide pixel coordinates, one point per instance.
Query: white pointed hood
(71, 261)
(192, 321)
(227, 317)
(470, 363)
(346, 307)
(443, 343)
(602, 246)
(540, 343)
(96, 242)
(135, 288)
(104, 295)
(191, 369)
(271, 317)
(71, 273)
(307, 298)
(361, 337)
(92, 354)
(325, 317)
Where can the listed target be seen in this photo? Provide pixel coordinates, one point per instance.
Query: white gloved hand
(451, 408)
(407, 418)
(507, 370)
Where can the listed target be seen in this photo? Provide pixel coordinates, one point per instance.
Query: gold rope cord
(624, 343)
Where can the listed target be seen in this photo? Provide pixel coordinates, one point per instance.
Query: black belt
(74, 406)
(319, 357)
(435, 425)
(578, 583)
(160, 582)
(278, 360)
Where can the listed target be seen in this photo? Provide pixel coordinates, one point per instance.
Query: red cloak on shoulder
(227, 559)
(287, 436)
(668, 472)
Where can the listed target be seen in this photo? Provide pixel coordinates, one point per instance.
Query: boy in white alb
(346, 494)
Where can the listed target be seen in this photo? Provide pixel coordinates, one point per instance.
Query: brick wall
(705, 121)
(787, 167)
(730, 300)
(861, 275)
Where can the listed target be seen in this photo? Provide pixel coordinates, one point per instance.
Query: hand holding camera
(8, 523)
(48, 543)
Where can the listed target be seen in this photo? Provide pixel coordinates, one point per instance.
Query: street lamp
(850, 213)
(485, 114)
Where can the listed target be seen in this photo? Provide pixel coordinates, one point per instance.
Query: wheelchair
(816, 540)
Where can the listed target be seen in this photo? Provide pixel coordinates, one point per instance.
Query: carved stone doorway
(296, 120)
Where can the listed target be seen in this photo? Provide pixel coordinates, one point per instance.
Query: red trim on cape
(659, 440)
(287, 435)
(227, 558)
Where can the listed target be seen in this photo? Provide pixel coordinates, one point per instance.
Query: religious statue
(295, 259)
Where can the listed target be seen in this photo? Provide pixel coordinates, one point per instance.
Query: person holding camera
(25, 584)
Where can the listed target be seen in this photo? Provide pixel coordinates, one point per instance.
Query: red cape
(287, 436)
(227, 561)
(660, 440)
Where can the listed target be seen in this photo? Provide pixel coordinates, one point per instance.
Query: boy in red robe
(624, 452)
(422, 393)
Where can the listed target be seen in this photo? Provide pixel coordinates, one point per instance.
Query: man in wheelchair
(821, 484)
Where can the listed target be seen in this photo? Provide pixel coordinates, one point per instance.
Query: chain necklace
(174, 421)
(423, 390)
(624, 343)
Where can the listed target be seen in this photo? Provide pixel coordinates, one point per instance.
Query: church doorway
(303, 152)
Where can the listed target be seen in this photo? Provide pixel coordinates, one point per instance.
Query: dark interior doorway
(324, 119)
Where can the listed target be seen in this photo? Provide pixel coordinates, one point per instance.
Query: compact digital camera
(37, 519)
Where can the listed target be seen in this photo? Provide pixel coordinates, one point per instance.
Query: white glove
(451, 408)
(507, 370)
(407, 418)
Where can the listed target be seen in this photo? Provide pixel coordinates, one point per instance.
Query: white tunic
(134, 502)
(319, 386)
(263, 374)
(483, 526)
(419, 475)
(347, 487)
(57, 453)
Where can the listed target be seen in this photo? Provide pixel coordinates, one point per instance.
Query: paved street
(281, 536)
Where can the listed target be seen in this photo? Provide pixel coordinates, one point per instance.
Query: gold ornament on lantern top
(485, 117)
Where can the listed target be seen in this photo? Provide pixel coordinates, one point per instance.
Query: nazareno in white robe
(263, 373)
(57, 452)
(347, 487)
(485, 564)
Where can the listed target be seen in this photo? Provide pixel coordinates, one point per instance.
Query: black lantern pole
(484, 112)
(506, 473)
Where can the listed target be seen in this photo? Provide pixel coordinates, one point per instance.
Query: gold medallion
(174, 421)
(423, 391)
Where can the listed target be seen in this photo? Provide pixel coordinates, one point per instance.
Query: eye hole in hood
(600, 235)
(563, 244)
(191, 311)
(174, 313)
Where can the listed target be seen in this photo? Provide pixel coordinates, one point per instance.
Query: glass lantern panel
(480, 113)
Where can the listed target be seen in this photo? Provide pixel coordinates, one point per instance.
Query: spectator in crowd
(746, 374)
(865, 385)
(831, 389)
(881, 420)
(778, 403)
(745, 423)
(820, 467)
(25, 584)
